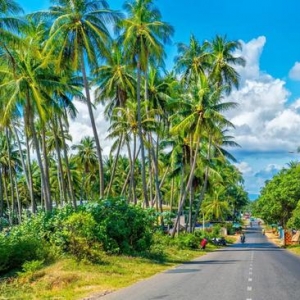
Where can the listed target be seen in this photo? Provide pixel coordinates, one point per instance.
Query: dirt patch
(274, 238)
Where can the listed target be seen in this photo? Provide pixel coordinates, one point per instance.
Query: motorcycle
(243, 239)
(219, 241)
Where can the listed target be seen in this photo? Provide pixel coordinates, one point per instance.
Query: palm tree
(215, 206)
(26, 76)
(144, 34)
(79, 34)
(115, 79)
(8, 23)
(192, 60)
(222, 62)
(86, 157)
(202, 112)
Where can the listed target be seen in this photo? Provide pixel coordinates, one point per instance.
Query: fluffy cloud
(81, 126)
(294, 73)
(264, 121)
(243, 167)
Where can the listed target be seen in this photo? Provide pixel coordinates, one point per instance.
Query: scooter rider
(243, 238)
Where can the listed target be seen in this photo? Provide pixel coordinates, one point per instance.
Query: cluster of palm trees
(168, 130)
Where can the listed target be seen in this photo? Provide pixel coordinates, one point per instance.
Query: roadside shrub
(188, 241)
(77, 235)
(122, 227)
(18, 247)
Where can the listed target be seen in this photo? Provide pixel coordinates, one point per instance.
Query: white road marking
(249, 288)
(249, 279)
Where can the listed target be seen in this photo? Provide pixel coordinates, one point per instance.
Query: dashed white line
(249, 288)
(249, 279)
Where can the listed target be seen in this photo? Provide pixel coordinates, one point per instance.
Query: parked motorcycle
(219, 241)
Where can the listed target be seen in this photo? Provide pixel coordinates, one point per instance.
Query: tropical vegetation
(279, 203)
(170, 137)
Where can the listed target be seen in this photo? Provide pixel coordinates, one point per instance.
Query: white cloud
(264, 121)
(295, 72)
(81, 126)
(243, 167)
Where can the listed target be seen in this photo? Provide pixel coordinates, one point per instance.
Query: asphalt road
(256, 270)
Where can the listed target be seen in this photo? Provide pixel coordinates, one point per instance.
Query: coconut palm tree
(115, 80)
(222, 62)
(86, 158)
(215, 206)
(144, 34)
(79, 34)
(203, 111)
(192, 60)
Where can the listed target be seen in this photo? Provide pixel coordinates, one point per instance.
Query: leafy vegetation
(169, 163)
(279, 200)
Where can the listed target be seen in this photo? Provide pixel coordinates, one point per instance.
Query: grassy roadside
(68, 279)
(275, 239)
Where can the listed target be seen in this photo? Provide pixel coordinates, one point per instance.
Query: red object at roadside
(203, 243)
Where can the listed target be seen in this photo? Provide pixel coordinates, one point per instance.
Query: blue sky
(268, 118)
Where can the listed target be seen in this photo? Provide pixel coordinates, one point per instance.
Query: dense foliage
(168, 131)
(279, 200)
(112, 226)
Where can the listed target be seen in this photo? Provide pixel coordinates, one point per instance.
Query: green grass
(69, 279)
(294, 249)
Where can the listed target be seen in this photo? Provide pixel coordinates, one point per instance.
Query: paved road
(256, 270)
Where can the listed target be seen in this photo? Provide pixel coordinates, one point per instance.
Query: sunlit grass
(69, 279)
(294, 249)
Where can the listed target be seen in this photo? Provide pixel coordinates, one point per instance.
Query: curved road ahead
(256, 270)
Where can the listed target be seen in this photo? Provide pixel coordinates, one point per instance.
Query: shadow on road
(252, 247)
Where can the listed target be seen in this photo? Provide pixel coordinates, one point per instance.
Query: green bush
(188, 241)
(77, 236)
(122, 227)
(19, 247)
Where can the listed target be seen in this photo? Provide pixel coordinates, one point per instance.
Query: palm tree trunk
(7, 134)
(203, 190)
(187, 189)
(156, 179)
(45, 188)
(46, 165)
(19, 204)
(29, 187)
(28, 164)
(9, 212)
(63, 194)
(91, 114)
(114, 166)
(143, 163)
(70, 183)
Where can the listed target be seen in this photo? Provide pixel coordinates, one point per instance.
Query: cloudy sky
(268, 117)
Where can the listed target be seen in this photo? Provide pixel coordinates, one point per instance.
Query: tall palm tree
(144, 34)
(223, 60)
(26, 76)
(115, 79)
(192, 59)
(203, 111)
(79, 34)
(216, 207)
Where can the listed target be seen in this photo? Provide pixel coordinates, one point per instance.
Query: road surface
(256, 270)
